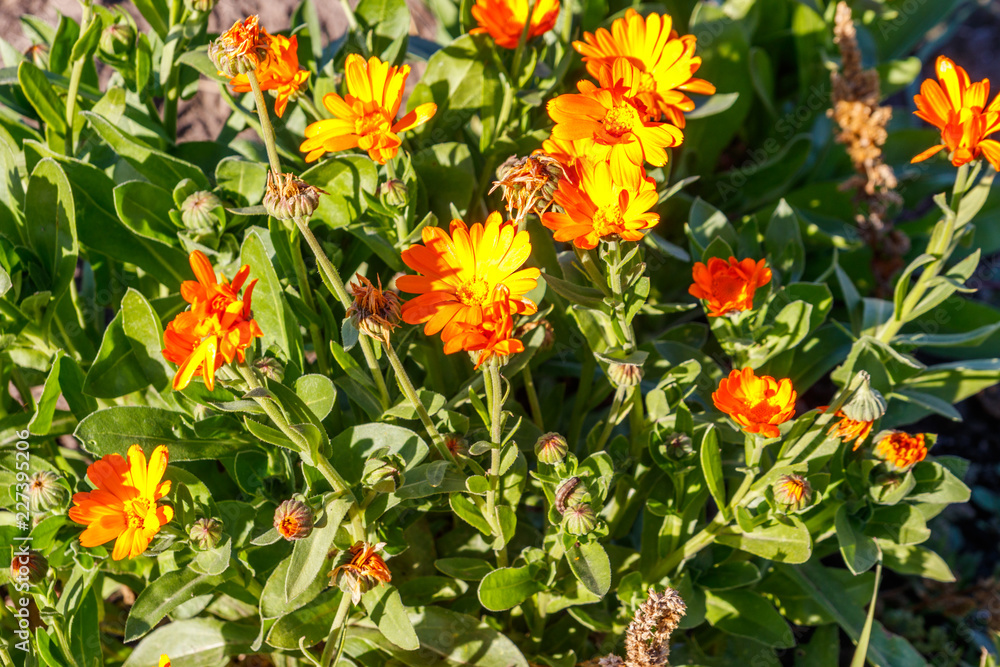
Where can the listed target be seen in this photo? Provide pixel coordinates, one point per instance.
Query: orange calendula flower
(958, 108)
(758, 404)
(665, 60)
(599, 207)
(279, 72)
(362, 570)
(218, 328)
(504, 20)
(611, 123)
(164, 661)
(464, 272)
(240, 49)
(123, 506)
(493, 338)
(728, 286)
(366, 116)
(792, 491)
(848, 429)
(901, 450)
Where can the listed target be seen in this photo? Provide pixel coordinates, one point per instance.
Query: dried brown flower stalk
(647, 640)
(856, 94)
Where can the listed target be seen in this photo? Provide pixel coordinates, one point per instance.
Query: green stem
(74, 84)
(411, 394)
(491, 379)
(753, 460)
(302, 276)
(536, 407)
(338, 633)
(611, 421)
(615, 279)
(5, 657)
(703, 539)
(333, 282)
(307, 104)
(266, 129)
(352, 21)
(582, 398)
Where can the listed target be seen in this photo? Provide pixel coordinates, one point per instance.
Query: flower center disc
(473, 292)
(608, 220)
(621, 119)
(135, 511)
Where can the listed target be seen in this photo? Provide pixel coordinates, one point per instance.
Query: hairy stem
(338, 633)
(266, 129)
(536, 407)
(495, 399)
(302, 277)
(411, 394)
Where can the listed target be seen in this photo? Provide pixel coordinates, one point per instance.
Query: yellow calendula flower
(759, 404)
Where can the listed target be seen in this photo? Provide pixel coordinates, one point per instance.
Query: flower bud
(551, 448)
(568, 494)
(867, 404)
(792, 491)
(206, 534)
(117, 40)
(31, 567)
(202, 6)
(625, 373)
(393, 193)
(579, 519)
(293, 520)
(198, 212)
(270, 367)
(44, 491)
(679, 446)
(382, 472)
(456, 444)
(288, 197)
(901, 451)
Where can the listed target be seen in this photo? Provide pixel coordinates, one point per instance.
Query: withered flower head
(44, 491)
(360, 569)
(528, 183)
(288, 197)
(456, 444)
(206, 533)
(374, 312)
(792, 491)
(270, 367)
(293, 520)
(240, 49)
(31, 567)
(647, 640)
(549, 337)
(551, 448)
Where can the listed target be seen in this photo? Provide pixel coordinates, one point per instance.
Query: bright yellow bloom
(164, 661)
(504, 20)
(666, 61)
(759, 404)
(366, 116)
(611, 123)
(462, 273)
(901, 450)
(279, 72)
(122, 506)
(958, 108)
(599, 207)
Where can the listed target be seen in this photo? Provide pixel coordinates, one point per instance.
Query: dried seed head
(374, 312)
(551, 448)
(867, 404)
(241, 49)
(624, 373)
(647, 640)
(579, 519)
(30, 567)
(206, 533)
(44, 491)
(359, 569)
(288, 197)
(792, 491)
(293, 520)
(528, 183)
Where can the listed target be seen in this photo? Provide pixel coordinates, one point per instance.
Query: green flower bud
(293, 520)
(44, 491)
(679, 446)
(579, 519)
(382, 472)
(270, 368)
(569, 494)
(117, 40)
(203, 6)
(624, 373)
(551, 448)
(394, 193)
(198, 212)
(206, 533)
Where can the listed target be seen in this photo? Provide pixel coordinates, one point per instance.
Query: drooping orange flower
(462, 273)
(363, 570)
(366, 116)
(218, 328)
(666, 61)
(279, 72)
(848, 429)
(610, 122)
(601, 207)
(901, 450)
(728, 286)
(240, 49)
(759, 404)
(493, 338)
(958, 108)
(123, 505)
(504, 20)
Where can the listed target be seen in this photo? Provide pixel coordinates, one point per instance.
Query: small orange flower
(218, 328)
(492, 338)
(366, 116)
(666, 61)
(901, 450)
(957, 107)
(279, 72)
(793, 491)
(758, 404)
(600, 207)
(240, 49)
(848, 429)
(374, 311)
(122, 507)
(728, 286)
(293, 520)
(362, 571)
(504, 19)
(463, 273)
(611, 122)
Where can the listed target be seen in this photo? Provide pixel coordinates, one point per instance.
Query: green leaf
(50, 209)
(273, 601)
(748, 614)
(386, 610)
(386, 24)
(164, 594)
(310, 555)
(144, 333)
(343, 178)
(729, 575)
(157, 13)
(269, 307)
(84, 633)
(42, 96)
(859, 551)
(468, 512)
(587, 297)
(912, 559)
(318, 393)
(938, 485)
(310, 624)
(198, 641)
(448, 172)
(161, 169)
(242, 180)
(783, 242)
(591, 566)
(467, 569)
(65, 379)
(86, 45)
(779, 542)
(116, 371)
(143, 208)
(352, 447)
(507, 587)
(711, 466)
